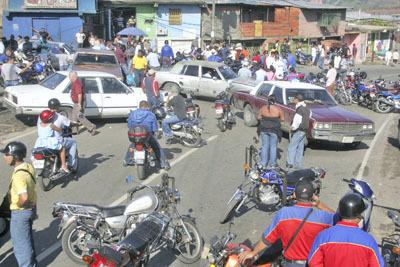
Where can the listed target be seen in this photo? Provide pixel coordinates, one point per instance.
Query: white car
(106, 96)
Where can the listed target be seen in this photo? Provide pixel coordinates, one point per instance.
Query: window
(264, 90)
(210, 73)
(328, 19)
(314, 96)
(265, 14)
(192, 71)
(94, 59)
(53, 81)
(227, 72)
(90, 86)
(278, 95)
(175, 16)
(113, 86)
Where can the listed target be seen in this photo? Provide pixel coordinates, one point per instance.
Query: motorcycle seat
(112, 211)
(294, 176)
(45, 151)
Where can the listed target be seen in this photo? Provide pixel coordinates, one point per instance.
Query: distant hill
(365, 4)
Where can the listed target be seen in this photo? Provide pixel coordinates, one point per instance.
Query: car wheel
(249, 117)
(172, 87)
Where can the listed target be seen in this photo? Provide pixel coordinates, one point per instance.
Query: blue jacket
(166, 51)
(214, 58)
(143, 117)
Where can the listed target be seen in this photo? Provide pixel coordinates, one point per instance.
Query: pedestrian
(296, 226)
(336, 61)
(63, 59)
(153, 60)
(78, 98)
(331, 79)
(270, 118)
(167, 55)
(270, 60)
(388, 57)
(244, 71)
(345, 244)
(120, 55)
(313, 54)
(12, 43)
(354, 51)
(131, 22)
(11, 73)
(139, 65)
(395, 56)
(321, 60)
(20, 42)
(151, 88)
(92, 39)
(261, 74)
(80, 38)
(270, 74)
(21, 197)
(27, 47)
(298, 132)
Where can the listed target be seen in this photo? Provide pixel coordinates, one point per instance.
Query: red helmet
(46, 115)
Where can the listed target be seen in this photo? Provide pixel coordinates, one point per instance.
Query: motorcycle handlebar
(135, 189)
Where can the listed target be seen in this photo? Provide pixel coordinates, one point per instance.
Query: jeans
(70, 146)
(22, 239)
(165, 125)
(139, 76)
(321, 63)
(157, 150)
(153, 101)
(296, 149)
(268, 148)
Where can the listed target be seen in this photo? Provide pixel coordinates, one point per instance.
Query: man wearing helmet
(22, 200)
(345, 244)
(177, 102)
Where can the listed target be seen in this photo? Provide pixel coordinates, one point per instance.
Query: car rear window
(52, 81)
(95, 59)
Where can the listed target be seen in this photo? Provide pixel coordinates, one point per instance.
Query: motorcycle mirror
(392, 215)
(190, 210)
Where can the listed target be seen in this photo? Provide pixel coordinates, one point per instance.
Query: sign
(258, 28)
(59, 4)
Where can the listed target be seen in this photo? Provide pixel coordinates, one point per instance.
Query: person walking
(151, 88)
(270, 118)
(22, 199)
(299, 129)
(153, 60)
(296, 226)
(331, 79)
(78, 98)
(354, 51)
(388, 57)
(167, 55)
(321, 59)
(80, 38)
(139, 65)
(345, 244)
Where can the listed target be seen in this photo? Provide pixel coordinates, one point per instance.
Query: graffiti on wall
(60, 4)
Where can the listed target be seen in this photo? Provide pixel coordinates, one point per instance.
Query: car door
(118, 99)
(189, 79)
(211, 82)
(287, 111)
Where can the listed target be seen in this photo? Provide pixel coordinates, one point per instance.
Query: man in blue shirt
(167, 55)
(144, 117)
(291, 60)
(214, 57)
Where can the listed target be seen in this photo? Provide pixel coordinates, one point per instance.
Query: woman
(269, 130)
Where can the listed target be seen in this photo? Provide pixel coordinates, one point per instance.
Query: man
(119, 53)
(80, 38)
(153, 60)
(261, 74)
(139, 65)
(291, 60)
(214, 57)
(10, 72)
(395, 56)
(27, 46)
(131, 22)
(177, 102)
(299, 129)
(167, 55)
(78, 98)
(345, 244)
(286, 226)
(22, 197)
(244, 71)
(12, 43)
(151, 88)
(354, 51)
(270, 60)
(331, 79)
(144, 117)
(314, 54)
(388, 57)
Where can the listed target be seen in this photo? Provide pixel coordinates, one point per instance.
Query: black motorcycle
(391, 244)
(5, 217)
(223, 112)
(302, 58)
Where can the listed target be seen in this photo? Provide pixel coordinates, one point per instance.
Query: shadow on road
(88, 164)
(394, 142)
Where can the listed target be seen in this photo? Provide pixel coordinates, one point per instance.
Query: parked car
(328, 120)
(106, 96)
(97, 60)
(201, 78)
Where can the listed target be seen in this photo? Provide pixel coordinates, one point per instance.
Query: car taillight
(38, 156)
(88, 259)
(139, 147)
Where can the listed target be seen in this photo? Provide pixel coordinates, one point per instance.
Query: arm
(22, 190)
(55, 128)
(317, 203)
(281, 115)
(260, 112)
(296, 122)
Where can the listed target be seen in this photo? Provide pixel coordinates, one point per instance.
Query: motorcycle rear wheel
(381, 107)
(194, 248)
(192, 142)
(230, 210)
(73, 249)
(141, 171)
(221, 125)
(4, 226)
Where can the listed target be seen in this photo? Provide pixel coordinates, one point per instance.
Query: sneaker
(93, 131)
(166, 166)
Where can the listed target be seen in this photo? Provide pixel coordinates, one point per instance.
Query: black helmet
(15, 149)
(351, 206)
(54, 103)
(304, 190)
(159, 112)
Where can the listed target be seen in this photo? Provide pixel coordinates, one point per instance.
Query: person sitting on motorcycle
(47, 137)
(177, 102)
(10, 72)
(285, 226)
(144, 117)
(59, 123)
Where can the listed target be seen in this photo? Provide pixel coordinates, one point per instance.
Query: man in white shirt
(279, 68)
(270, 60)
(313, 53)
(261, 74)
(153, 60)
(388, 57)
(244, 71)
(336, 61)
(331, 79)
(80, 37)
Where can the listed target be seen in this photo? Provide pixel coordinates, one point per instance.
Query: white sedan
(106, 96)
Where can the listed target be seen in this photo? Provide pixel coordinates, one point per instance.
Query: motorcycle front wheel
(221, 125)
(74, 243)
(230, 210)
(192, 142)
(187, 251)
(382, 107)
(4, 226)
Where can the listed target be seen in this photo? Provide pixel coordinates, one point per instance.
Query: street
(207, 177)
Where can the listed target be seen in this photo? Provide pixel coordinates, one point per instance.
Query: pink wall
(359, 40)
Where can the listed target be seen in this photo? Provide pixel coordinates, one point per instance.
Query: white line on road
(371, 147)
(151, 178)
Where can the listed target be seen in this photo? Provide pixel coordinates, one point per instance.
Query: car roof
(88, 73)
(94, 51)
(203, 63)
(297, 85)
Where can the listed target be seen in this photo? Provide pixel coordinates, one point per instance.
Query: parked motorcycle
(269, 188)
(341, 94)
(391, 244)
(85, 225)
(39, 70)
(47, 164)
(386, 101)
(302, 58)
(224, 114)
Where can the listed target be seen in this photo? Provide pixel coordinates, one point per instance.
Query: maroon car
(328, 121)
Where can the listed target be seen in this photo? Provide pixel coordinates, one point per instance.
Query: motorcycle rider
(345, 244)
(144, 117)
(10, 72)
(287, 226)
(177, 102)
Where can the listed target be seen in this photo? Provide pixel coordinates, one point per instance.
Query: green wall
(144, 12)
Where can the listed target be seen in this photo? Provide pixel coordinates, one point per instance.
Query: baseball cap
(304, 190)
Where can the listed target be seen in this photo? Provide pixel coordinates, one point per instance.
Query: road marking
(371, 146)
(151, 178)
(19, 136)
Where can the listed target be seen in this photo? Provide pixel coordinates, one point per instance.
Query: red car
(328, 120)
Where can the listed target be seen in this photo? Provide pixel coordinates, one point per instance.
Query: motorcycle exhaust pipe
(387, 101)
(184, 135)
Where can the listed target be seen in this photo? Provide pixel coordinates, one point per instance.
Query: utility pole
(213, 22)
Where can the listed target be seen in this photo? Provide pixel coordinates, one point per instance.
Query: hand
(315, 200)
(246, 258)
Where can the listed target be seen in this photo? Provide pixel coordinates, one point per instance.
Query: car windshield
(227, 73)
(53, 81)
(95, 59)
(311, 96)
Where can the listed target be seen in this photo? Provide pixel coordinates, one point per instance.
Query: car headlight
(368, 127)
(323, 126)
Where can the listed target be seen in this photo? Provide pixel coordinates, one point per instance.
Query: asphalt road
(206, 178)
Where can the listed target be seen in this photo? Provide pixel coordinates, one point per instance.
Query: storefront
(62, 19)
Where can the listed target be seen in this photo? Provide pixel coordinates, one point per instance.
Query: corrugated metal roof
(359, 15)
(293, 3)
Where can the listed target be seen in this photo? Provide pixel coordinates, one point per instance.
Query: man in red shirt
(78, 98)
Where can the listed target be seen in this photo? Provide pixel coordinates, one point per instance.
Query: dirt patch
(10, 124)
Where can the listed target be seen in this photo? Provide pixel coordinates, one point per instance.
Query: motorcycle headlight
(254, 175)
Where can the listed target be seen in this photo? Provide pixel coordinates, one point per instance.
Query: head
(304, 191)
(12, 37)
(14, 153)
(73, 76)
(166, 42)
(150, 50)
(47, 116)
(26, 38)
(271, 99)
(144, 105)
(54, 104)
(298, 98)
(140, 53)
(151, 73)
(351, 207)
(81, 30)
(330, 65)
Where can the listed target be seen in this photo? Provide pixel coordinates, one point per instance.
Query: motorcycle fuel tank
(145, 203)
(116, 222)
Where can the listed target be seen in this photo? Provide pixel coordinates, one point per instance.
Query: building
(62, 19)
(3, 5)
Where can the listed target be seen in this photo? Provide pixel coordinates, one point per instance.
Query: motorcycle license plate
(348, 140)
(38, 164)
(139, 156)
(219, 111)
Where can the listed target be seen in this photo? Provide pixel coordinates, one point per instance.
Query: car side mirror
(214, 78)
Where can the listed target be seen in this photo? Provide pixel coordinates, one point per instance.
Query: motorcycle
(224, 114)
(341, 94)
(47, 163)
(140, 153)
(302, 58)
(391, 244)
(39, 70)
(85, 225)
(386, 102)
(269, 188)
(5, 217)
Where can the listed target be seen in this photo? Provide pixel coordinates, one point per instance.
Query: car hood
(27, 89)
(336, 114)
(91, 67)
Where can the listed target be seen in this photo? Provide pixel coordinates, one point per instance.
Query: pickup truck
(328, 121)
